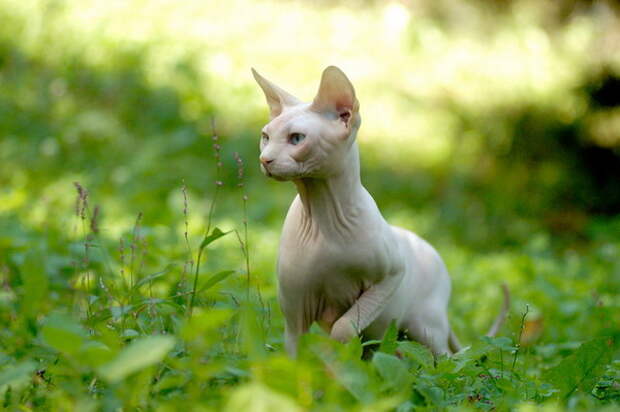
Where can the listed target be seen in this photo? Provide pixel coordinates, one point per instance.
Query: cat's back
(424, 264)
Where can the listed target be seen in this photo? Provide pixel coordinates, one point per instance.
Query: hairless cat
(340, 263)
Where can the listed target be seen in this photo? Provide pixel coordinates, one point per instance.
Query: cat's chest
(336, 253)
(331, 279)
(332, 266)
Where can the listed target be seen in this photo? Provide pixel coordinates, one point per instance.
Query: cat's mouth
(271, 175)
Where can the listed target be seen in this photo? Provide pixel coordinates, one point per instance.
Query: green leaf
(371, 342)
(583, 368)
(152, 277)
(255, 397)
(433, 394)
(215, 279)
(390, 339)
(95, 353)
(63, 333)
(502, 343)
(216, 233)
(392, 370)
(416, 352)
(204, 323)
(140, 354)
(350, 372)
(16, 376)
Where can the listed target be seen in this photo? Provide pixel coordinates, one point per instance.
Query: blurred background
(492, 128)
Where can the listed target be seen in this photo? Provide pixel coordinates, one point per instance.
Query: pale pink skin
(340, 263)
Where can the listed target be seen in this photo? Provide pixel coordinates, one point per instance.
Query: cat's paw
(343, 330)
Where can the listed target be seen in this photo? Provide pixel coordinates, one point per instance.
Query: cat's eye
(296, 138)
(264, 137)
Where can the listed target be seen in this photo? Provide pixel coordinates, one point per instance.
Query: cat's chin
(276, 177)
(279, 178)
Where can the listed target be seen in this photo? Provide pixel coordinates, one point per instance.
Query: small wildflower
(94, 221)
(240, 169)
(184, 190)
(121, 250)
(81, 203)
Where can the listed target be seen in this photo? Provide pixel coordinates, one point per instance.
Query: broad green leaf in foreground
(140, 354)
(255, 397)
(583, 368)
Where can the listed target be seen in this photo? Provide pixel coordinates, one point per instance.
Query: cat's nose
(265, 161)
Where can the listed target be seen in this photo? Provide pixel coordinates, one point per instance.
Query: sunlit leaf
(140, 354)
(215, 234)
(215, 279)
(255, 397)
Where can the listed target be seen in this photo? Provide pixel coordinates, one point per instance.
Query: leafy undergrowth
(87, 326)
(478, 135)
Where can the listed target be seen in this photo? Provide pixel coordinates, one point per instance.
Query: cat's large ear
(336, 95)
(277, 98)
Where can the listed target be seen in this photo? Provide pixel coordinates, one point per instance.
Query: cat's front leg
(298, 315)
(291, 339)
(366, 308)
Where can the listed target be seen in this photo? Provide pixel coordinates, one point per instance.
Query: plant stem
(218, 183)
(514, 360)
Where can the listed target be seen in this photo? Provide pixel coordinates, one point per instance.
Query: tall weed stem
(218, 183)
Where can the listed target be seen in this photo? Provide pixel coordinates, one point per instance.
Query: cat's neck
(333, 204)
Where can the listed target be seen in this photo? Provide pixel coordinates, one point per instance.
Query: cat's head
(309, 139)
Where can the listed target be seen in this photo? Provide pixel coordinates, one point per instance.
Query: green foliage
(511, 172)
(63, 333)
(138, 355)
(15, 377)
(35, 283)
(583, 368)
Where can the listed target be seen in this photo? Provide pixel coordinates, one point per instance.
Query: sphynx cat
(340, 263)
